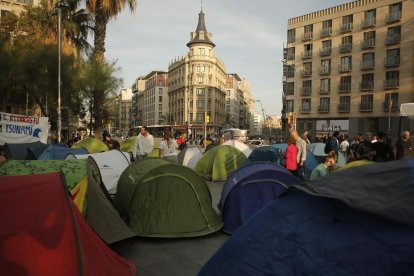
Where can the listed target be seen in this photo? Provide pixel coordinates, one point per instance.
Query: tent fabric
(160, 199)
(249, 189)
(41, 233)
(266, 153)
(78, 174)
(92, 145)
(129, 144)
(219, 162)
(189, 157)
(318, 150)
(385, 189)
(354, 164)
(23, 151)
(300, 234)
(59, 152)
(239, 145)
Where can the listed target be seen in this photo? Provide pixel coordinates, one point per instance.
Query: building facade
(343, 67)
(124, 111)
(15, 6)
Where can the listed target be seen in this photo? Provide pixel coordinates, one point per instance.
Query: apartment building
(349, 67)
(234, 101)
(124, 111)
(15, 6)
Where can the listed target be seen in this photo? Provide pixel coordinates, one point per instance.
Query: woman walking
(291, 154)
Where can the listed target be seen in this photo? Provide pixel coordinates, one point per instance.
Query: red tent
(43, 233)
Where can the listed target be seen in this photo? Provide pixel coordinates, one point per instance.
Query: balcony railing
(392, 61)
(346, 47)
(324, 89)
(306, 91)
(325, 52)
(304, 109)
(344, 87)
(291, 39)
(324, 70)
(368, 44)
(393, 17)
(344, 107)
(345, 67)
(290, 74)
(346, 27)
(307, 36)
(290, 91)
(307, 55)
(386, 106)
(367, 65)
(291, 57)
(368, 22)
(391, 83)
(366, 85)
(326, 31)
(365, 107)
(306, 73)
(323, 107)
(392, 39)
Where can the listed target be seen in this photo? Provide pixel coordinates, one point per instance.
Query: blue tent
(24, 151)
(59, 152)
(359, 221)
(249, 189)
(266, 153)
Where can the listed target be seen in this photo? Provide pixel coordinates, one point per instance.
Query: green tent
(129, 144)
(92, 145)
(160, 199)
(219, 162)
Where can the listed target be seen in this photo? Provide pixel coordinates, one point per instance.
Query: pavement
(183, 256)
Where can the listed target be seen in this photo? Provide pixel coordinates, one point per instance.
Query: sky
(249, 37)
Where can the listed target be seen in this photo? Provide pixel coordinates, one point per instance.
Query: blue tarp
(59, 152)
(249, 189)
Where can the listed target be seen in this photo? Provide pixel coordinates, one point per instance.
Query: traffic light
(206, 118)
(290, 118)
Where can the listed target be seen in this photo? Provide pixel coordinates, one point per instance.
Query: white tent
(240, 146)
(189, 156)
(407, 109)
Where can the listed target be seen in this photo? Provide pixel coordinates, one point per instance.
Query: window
(326, 28)
(394, 13)
(307, 69)
(307, 87)
(346, 45)
(291, 36)
(392, 79)
(289, 106)
(200, 79)
(393, 35)
(202, 51)
(366, 103)
(367, 81)
(325, 67)
(291, 53)
(200, 103)
(160, 99)
(306, 105)
(290, 88)
(368, 40)
(344, 104)
(368, 61)
(369, 19)
(160, 106)
(200, 91)
(307, 32)
(391, 102)
(201, 68)
(347, 22)
(289, 70)
(346, 64)
(307, 51)
(200, 117)
(325, 86)
(345, 84)
(209, 92)
(324, 104)
(326, 48)
(392, 58)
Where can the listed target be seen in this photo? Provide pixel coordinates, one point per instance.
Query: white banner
(22, 129)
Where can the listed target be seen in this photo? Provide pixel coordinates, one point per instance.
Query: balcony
(392, 61)
(365, 107)
(307, 36)
(305, 109)
(306, 91)
(323, 108)
(346, 27)
(307, 55)
(367, 65)
(291, 39)
(325, 70)
(325, 51)
(344, 67)
(289, 74)
(366, 85)
(326, 32)
(345, 47)
(306, 73)
(391, 83)
(368, 44)
(392, 39)
(344, 87)
(393, 17)
(290, 91)
(386, 106)
(344, 107)
(290, 56)
(368, 22)
(324, 89)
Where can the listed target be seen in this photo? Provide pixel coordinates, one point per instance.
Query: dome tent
(160, 199)
(249, 189)
(92, 145)
(240, 146)
(189, 156)
(219, 162)
(266, 153)
(59, 152)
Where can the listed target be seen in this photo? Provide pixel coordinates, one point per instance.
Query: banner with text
(22, 129)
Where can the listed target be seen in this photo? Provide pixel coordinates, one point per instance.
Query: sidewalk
(154, 256)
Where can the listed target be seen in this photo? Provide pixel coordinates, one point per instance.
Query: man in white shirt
(144, 144)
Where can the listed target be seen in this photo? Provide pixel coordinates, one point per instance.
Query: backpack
(328, 147)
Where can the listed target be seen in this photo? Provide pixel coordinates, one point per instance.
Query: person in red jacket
(291, 154)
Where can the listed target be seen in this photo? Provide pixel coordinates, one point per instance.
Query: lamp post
(59, 123)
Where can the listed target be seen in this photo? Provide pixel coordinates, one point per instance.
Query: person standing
(301, 157)
(291, 154)
(344, 146)
(403, 147)
(334, 143)
(383, 150)
(144, 143)
(168, 147)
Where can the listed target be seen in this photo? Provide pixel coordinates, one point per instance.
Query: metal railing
(304, 109)
(307, 36)
(391, 83)
(366, 85)
(346, 47)
(368, 44)
(326, 31)
(368, 22)
(324, 89)
(386, 106)
(324, 70)
(367, 65)
(364, 107)
(306, 91)
(344, 87)
(306, 73)
(392, 39)
(391, 61)
(344, 107)
(307, 55)
(323, 108)
(345, 67)
(393, 17)
(346, 27)
(325, 51)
